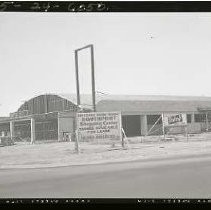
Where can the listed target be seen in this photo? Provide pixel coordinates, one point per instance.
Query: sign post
(123, 138)
(76, 135)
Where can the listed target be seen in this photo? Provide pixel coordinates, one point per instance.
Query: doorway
(131, 125)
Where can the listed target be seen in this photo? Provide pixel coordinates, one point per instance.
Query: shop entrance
(131, 125)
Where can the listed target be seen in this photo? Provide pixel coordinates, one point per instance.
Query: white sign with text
(174, 119)
(99, 126)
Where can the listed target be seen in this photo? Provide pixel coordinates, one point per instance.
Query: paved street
(184, 178)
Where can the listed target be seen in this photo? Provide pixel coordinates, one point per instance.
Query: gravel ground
(25, 155)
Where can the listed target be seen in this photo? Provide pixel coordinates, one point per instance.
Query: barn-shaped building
(44, 117)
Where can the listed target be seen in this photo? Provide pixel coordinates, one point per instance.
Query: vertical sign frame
(92, 75)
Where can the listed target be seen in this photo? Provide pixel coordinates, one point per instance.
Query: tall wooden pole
(78, 88)
(93, 78)
(77, 78)
(92, 75)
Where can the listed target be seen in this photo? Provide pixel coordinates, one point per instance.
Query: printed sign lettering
(99, 126)
(174, 119)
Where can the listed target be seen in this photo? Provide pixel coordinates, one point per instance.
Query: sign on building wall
(174, 119)
(99, 126)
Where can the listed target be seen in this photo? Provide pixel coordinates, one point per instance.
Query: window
(200, 117)
(188, 118)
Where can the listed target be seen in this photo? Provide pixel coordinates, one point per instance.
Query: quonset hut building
(51, 116)
(45, 117)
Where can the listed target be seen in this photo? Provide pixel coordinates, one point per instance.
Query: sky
(135, 53)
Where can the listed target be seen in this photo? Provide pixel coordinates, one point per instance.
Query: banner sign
(99, 126)
(174, 119)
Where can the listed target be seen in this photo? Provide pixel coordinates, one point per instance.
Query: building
(45, 117)
(140, 113)
(52, 116)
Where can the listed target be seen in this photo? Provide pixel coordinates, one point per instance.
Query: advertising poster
(99, 126)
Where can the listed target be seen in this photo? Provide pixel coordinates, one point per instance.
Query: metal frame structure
(92, 75)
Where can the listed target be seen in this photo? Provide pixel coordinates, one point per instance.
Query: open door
(131, 125)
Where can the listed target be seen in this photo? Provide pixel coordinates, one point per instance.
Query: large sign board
(99, 126)
(174, 119)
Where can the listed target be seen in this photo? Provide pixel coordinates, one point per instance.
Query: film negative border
(87, 201)
(105, 6)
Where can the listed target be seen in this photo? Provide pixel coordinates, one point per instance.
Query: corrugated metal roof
(143, 103)
(87, 98)
(151, 106)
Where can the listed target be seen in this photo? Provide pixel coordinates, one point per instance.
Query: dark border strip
(105, 6)
(87, 201)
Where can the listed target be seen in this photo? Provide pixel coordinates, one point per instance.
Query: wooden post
(93, 78)
(144, 126)
(163, 126)
(58, 127)
(12, 129)
(32, 131)
(122, 138)
(76, 142)
(122, 132)
(77, 78)
(76, 135)
(207, 123)
(92, 75)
